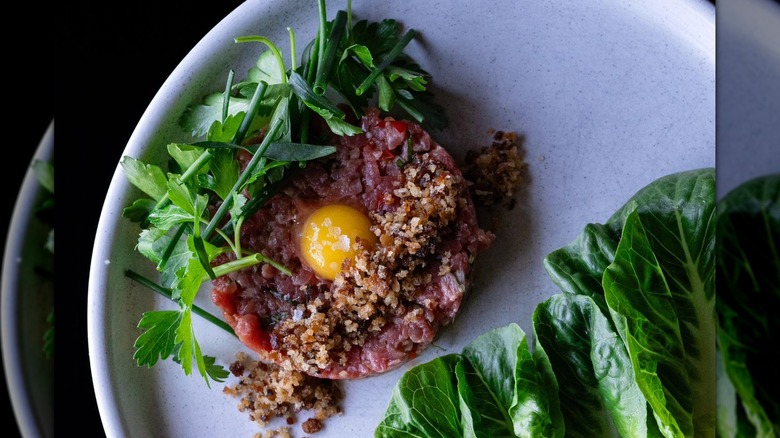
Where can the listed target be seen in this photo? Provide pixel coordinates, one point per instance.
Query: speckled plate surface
(27, 300)
(610, 95)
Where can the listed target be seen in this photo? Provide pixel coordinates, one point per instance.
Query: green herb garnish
(267, 115)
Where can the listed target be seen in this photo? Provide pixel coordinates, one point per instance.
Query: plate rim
(24, 411)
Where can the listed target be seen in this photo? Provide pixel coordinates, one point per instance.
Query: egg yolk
(329, 237)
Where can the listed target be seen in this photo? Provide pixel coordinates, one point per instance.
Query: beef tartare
(380, 238)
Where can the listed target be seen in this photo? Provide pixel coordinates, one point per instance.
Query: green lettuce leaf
(644, 314)
(748, 278)
(598, 393)
(424, 402)
(650, 271)
(497, 387)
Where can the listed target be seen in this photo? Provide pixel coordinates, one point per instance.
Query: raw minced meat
(391, 298)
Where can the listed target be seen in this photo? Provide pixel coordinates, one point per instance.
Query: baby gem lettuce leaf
(748, 302)
(649, 272)
(497, 387)
(425, 402)
(598, 392)
(640, 303)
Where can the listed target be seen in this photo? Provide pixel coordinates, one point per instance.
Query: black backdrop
(28, 107)
(113, 57)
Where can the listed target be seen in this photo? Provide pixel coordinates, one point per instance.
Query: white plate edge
(14, 374)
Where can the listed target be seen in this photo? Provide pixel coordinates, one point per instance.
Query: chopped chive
(325, 65)
(349, 20)
(321, 31)
(225, 206)
(293, 64)
(198, 164)
(251, 112)
(406, 106)
(164, 291)
(397, 49)
(226, 98)
(310, 69)
(247, 261)
(200, 248)
(237, 235)
(171, 246)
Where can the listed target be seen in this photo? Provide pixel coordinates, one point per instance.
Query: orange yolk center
(330, 236)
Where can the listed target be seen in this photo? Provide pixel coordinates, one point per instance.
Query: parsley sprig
(266, 114)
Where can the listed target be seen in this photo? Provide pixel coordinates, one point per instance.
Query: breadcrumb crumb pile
(495, 172)
(268, 391)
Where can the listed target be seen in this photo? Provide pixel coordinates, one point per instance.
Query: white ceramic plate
(27, 299)
(610, 94)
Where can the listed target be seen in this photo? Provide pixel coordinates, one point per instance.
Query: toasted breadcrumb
(379, 283)
(495, 172)
(268, 391)
(282, 432)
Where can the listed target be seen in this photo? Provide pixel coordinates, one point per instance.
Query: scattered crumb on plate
(496, 172)
(268, 391)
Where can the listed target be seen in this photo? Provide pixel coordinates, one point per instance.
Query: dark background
(113, 57)
(28, 108)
